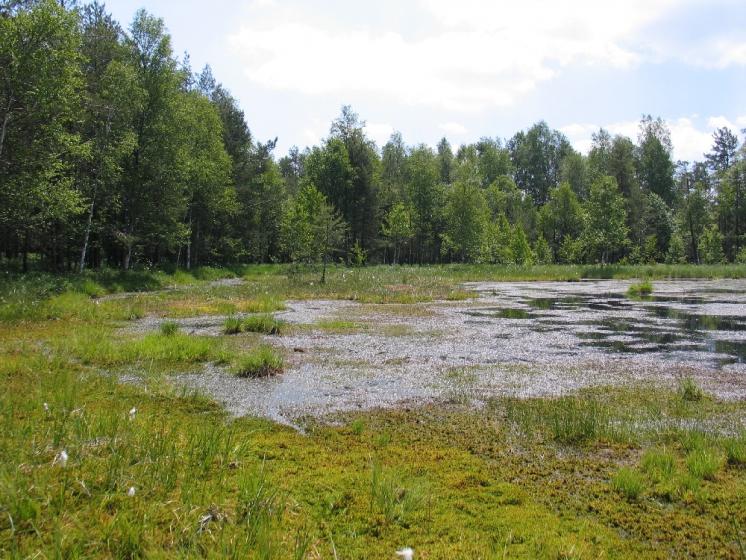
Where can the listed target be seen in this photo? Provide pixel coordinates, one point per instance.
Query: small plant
(641, 289)
(690, 391)
(263, 361)
(357, 426)
(92, 289)
(169, 328)
(704, 463)
(396, 502)
(232, 325)
(659, 464)
(628, 482)
(735, 451)
(263, 323)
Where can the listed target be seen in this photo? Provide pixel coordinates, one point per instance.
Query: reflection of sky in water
(661, 328)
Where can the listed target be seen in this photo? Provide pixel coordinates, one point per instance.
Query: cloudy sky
(470, 68)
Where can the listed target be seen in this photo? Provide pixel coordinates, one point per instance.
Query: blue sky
(472, 68)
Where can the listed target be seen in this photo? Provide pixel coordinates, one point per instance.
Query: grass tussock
(263, 361)
(629, 483)
(640, 289)
(690, 391)
(262, 323)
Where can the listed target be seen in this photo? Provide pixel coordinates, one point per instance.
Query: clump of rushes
(263, 323)
(263, 361)
(232, 325)
(735, 451)
(169, 328)
(690, 391)
(640, 289)
(704, 463)
(628, 482)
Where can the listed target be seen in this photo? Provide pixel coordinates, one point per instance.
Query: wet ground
(520, 339)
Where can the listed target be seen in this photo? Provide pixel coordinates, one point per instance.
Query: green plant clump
(690, 391)
(263, 361)
(628, 482)
(169, 328)
(641, 289)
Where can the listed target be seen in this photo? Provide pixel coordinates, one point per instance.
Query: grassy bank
(205, 291)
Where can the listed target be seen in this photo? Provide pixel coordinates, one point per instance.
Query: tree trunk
(25, 253)
(5, 126)
(87, 235)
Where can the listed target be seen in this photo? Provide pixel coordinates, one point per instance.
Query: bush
(628, 482)
(263, 361)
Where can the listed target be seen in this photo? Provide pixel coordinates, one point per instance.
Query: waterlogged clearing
(525, 339)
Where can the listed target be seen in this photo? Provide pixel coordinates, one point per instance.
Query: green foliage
(690, 391)
(169, 328)
(704, 463)
(640, 289)
(735, 450)
(466, 219)
(712, 246)
(606, 230)
(263, 323)
(262, 361)
(629, 483)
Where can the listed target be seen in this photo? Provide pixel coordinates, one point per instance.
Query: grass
(169, 328)
(735, 450)
(690, 391)
(704, 463)
(629, 483)
(263, 361)
(640, 289)
(581, 476)
(261, 323)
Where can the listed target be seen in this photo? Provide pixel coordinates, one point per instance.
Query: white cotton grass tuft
(133, 413)
(405, 553)
(46, 407)
(131, 492)
(61, 459)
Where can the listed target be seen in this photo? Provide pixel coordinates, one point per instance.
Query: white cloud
(453, 128)
(379, 132)
(478, 55)
(690, 140)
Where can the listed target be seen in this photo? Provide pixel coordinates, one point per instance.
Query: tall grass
(262, 361)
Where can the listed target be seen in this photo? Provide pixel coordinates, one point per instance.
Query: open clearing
(419, 407)
(537, 339)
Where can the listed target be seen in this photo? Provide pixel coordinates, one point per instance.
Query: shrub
(628, 482)
(263, 361)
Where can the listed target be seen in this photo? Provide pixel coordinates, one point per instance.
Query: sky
(468, 69)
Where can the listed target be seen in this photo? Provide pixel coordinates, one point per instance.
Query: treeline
(113, 152)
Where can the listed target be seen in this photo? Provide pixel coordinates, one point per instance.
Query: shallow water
(522, 339)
